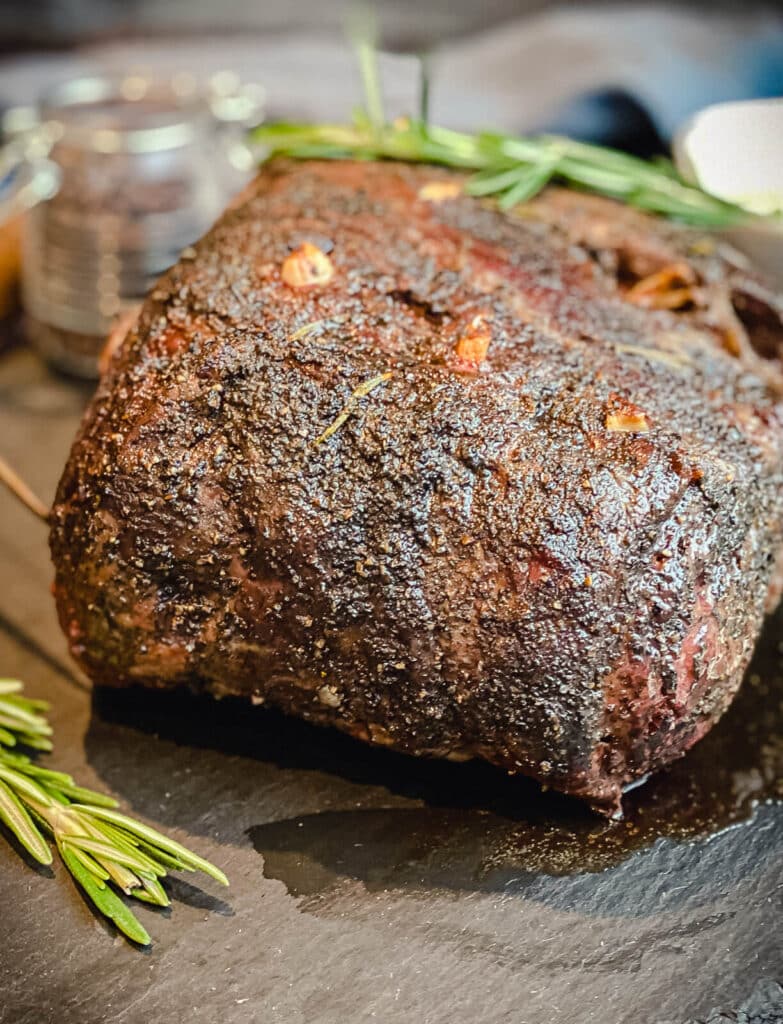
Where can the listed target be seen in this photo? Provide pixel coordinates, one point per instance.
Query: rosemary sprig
(103, 849)
(510, 169)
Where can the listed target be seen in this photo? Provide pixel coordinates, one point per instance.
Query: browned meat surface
(459, 482)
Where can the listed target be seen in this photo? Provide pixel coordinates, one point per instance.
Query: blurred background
(120, 204)
(513, 63)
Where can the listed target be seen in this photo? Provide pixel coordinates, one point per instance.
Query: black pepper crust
(473, 564)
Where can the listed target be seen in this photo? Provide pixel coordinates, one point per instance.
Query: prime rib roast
(460, 482)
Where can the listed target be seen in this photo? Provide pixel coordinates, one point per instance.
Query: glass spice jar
(143, 166)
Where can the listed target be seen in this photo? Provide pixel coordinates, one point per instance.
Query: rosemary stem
(20, 490)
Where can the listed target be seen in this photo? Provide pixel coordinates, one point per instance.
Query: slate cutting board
(366, 886)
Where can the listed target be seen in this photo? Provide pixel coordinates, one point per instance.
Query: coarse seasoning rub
(460, 482)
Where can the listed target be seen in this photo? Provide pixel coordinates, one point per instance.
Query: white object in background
(735, 151)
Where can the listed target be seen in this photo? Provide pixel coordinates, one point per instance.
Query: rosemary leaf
(125, 879)
(164, 859)
(40, 743)
(24, 787)
(87, 861)
(360, 392)
(104, 898)
(155, 839)
(78, 794)
(306, 329)
(151, 891)
(144, 896)
(14, 815)
(149, 863)
(491, 182)
(527, 185)
(27, 710)
(115, 854)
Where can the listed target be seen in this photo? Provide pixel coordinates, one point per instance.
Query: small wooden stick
(22, 492)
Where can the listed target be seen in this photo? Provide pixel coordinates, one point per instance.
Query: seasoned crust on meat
(496, 485)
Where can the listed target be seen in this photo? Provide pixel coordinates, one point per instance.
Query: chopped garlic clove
(307, 266)
(439, 191)
(627, 422)
(473, 345)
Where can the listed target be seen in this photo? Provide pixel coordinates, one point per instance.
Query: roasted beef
(460, 482)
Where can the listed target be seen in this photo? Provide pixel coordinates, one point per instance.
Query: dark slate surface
(365, 886)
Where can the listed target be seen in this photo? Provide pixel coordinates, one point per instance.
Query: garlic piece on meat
(439, 191)
(307, 266)
(671, 287)
(329, 696)
(629, 420)
(473, 345)
(624, 417)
